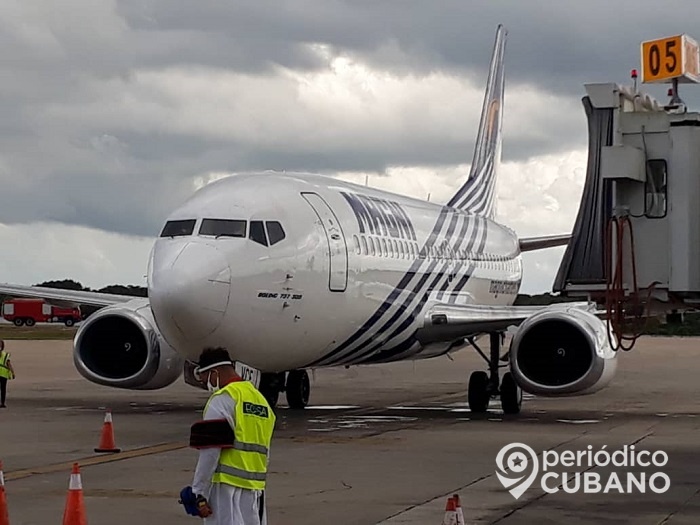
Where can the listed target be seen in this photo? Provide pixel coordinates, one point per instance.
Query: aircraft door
(338, 278)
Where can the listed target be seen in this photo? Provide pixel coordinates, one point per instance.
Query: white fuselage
(349, 283)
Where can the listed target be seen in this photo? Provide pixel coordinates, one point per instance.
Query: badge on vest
(255, 410)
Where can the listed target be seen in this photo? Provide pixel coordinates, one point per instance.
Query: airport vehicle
(28, 311)
(295, 271)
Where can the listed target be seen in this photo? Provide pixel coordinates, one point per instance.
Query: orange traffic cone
(74, 513)
(4, 516)
(458, 509)
(107, 441)
(450, 512)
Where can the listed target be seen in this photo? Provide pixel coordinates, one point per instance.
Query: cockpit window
(257, 232)
(178, 228)
(275, 232)
(223, 228)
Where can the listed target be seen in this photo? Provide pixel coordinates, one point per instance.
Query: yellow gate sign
(671, 57)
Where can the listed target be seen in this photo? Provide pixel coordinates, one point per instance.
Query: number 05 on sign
(672, 57)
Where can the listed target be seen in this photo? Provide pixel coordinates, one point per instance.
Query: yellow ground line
(95, 460)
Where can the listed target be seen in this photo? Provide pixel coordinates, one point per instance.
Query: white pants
(235, 506)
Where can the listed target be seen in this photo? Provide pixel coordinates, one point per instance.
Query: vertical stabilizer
(478, 194)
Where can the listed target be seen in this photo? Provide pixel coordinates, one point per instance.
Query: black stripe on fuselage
(379, 338)
(481, 226)
(395, 293)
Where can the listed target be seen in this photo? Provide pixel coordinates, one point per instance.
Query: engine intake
(562, 351)
(119, 346)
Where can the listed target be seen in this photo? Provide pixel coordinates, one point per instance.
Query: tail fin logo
(477, 195)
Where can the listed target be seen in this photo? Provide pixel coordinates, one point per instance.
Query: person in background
(6, 372)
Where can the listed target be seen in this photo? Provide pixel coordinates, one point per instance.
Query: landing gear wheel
(29, 321)
(479, 395)
(270, 387)
(511, 395)
(298, 389)
(18, 322)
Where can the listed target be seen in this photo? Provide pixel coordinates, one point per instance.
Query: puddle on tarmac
(331, 407)
(354, 422)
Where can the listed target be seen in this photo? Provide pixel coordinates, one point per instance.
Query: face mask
(210, 386)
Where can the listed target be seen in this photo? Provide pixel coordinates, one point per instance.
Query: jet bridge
(635, 245)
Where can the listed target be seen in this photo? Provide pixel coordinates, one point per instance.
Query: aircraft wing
(76, 296)
(529, 244)
(451, 321)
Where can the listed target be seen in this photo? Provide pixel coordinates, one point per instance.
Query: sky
(115, 112)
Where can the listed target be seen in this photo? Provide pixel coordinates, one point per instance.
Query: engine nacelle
(562, 351)
(120, 346)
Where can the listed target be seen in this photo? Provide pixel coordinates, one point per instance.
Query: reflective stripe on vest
(250, 447)
(4, 369)
(231, 471)
(245, 464)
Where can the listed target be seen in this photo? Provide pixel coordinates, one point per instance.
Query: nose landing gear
(297, 388)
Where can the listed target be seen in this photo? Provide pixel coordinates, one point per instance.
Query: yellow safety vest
(245, 465)
(4, 369)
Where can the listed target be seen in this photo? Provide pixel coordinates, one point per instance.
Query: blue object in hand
(189, 501)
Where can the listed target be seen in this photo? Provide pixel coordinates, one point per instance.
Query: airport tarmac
(384, 444)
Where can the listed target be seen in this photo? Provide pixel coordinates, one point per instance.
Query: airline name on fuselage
(377, 216)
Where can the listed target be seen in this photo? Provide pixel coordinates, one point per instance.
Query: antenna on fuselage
(428, 199)
(366, 179)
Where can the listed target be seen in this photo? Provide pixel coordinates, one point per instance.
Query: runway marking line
(95, 460)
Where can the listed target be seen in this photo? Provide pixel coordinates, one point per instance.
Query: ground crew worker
(6, 372)
(234, 444)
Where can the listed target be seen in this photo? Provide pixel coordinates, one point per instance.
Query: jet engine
(562, 351)
(120, 346)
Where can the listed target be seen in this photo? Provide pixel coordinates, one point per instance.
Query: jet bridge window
(257, 233)
(275, 232)
(655, 189)
(223, 227)
(178, 228)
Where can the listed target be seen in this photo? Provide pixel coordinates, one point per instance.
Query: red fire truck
(31, 311)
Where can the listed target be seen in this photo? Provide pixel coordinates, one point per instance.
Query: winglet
(477, 195)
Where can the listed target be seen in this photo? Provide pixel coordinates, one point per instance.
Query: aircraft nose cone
(189, 289)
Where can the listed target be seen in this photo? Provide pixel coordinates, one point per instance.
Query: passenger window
(365, 250)
(384, 250)
(222, 228)
(275, 232)
(372, 248)
(257, 232)
(391, 249)
(358, 251)
(178, 228)
(655, 189)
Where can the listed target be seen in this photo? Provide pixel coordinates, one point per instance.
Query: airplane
(296, 271)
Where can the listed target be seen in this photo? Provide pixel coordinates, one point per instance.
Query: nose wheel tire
(270, 387)
(511, 395)
(479, 395)
(298, 389)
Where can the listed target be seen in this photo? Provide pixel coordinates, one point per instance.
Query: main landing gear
(297, 388)
(483, 386)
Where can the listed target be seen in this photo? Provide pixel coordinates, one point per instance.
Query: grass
(37, 332)
(689, 327)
